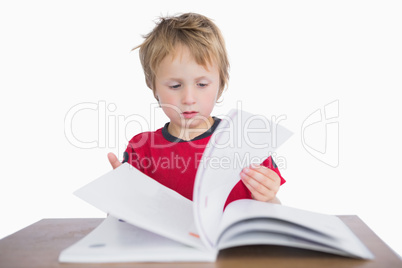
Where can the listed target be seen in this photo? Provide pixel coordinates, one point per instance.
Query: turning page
(240, 139)
(128, 194)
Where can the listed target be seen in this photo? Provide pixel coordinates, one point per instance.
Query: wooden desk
(39, 245)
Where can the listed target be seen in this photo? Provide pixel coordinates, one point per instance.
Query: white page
(272, 225)
(240, 139)
(126, 193)
(270, 232)
(117, 241)
(330, 226)
(255, 238)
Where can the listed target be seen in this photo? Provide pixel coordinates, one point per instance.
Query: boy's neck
(188, 134)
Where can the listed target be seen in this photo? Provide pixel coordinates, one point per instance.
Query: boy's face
(187, 92)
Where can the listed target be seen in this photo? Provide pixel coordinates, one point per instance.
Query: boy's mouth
(189, 114)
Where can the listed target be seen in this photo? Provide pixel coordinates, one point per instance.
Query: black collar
(207, 133)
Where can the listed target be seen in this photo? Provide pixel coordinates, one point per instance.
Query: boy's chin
(198, 123)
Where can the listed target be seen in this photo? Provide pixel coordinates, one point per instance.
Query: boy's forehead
(181, 54)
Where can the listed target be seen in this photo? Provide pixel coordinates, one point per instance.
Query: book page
(271, 225)
(326, 231)
(240, 139)
(268, 238)
(126, 193)
(117, 241)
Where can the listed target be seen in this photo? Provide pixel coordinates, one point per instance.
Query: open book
(150, 222)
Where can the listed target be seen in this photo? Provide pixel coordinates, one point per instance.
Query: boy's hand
(262, 182)
(113, 160)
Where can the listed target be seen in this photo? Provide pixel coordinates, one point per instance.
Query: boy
(186, 66)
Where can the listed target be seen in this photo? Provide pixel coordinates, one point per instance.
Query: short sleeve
(125, 157)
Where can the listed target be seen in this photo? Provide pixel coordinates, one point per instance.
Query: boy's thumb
(113, 160)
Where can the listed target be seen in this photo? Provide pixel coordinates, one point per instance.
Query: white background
(287, 58)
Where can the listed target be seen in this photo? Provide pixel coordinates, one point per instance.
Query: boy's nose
(188, 96)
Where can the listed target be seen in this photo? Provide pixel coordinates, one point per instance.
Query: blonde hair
(197, 32)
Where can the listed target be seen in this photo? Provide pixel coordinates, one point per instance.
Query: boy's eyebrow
(197, 78)
(202, 77)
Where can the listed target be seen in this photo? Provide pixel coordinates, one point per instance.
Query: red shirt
(173, 162)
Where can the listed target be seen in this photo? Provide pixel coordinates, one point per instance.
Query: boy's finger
(252, 183)
(256, 194)
(261, 182)
(113, 160)
(266, 171)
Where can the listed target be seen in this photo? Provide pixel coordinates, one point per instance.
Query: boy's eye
(202, 85)
(175, 86)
